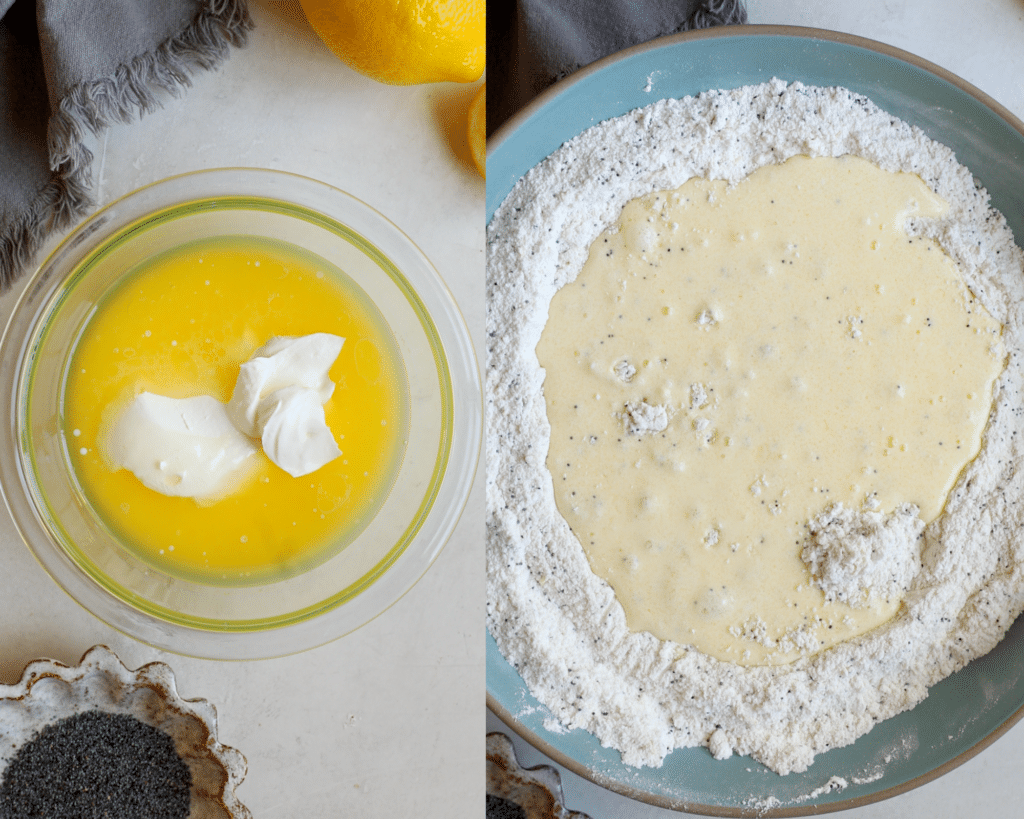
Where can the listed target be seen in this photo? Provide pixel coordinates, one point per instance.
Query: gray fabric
(533, 43)
(71, 67)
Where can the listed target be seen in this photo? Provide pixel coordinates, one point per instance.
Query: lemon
(478, 130)
(404, 42)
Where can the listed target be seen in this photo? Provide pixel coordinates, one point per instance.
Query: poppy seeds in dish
(96, 765)
(500, 808)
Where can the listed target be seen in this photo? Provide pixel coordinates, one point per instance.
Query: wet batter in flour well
(732, 362)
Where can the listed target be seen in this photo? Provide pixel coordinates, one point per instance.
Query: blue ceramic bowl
(965, 712)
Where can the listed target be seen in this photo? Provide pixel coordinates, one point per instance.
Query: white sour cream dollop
(184, 447)
(198, 447)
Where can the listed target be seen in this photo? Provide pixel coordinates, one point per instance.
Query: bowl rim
(455, 462)
(505, 130)
(494, 143)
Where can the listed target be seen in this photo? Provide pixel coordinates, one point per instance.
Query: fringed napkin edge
(131, 91)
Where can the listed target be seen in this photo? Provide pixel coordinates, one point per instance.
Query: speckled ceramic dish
(965, 712)
(537, 792)
(49, 691)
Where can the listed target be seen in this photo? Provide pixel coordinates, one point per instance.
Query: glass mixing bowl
(269, 618)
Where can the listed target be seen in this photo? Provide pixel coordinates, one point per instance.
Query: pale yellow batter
(732, 361)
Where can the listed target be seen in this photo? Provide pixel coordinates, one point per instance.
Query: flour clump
(856, 556)
(640, 417)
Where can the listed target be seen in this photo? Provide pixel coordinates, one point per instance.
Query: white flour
(639, 417)
(560, 625)
(857, 556)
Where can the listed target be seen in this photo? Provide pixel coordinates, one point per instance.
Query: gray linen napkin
(70, 67)
(533, 43)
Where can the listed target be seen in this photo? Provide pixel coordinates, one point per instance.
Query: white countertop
(982, 42)
(379, 723)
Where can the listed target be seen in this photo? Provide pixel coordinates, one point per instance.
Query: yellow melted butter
(805, 351)
(181, 325)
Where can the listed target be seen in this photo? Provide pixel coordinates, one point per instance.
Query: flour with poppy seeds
(559, 624)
